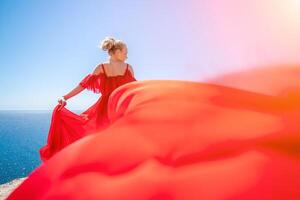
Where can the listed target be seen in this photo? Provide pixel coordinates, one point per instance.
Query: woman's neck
(114, 61)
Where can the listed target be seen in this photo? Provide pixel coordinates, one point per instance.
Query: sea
(22, 134)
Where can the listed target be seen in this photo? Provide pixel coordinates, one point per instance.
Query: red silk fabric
(183, 140)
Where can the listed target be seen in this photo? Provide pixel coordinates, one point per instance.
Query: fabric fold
(92, 82)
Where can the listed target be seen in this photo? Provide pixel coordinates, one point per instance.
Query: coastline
(7, 188)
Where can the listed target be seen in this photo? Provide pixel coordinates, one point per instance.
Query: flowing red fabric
(183, 140)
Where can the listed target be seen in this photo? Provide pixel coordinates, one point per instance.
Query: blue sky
(47, 47)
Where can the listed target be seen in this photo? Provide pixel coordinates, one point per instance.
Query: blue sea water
(22, 134)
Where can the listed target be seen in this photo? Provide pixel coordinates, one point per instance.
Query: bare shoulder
(131, 69)
(98, 69)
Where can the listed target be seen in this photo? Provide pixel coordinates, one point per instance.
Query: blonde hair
(111, 44)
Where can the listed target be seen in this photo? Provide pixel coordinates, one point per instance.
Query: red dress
(184, 140)
(67, 127)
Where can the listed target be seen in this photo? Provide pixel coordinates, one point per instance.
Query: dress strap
(126, 69)
(103, 69)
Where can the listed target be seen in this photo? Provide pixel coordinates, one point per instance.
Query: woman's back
(114, 70)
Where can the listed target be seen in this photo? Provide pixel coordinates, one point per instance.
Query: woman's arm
(74, 92)
(79, 88)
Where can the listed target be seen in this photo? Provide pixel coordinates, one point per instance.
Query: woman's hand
(62, 101)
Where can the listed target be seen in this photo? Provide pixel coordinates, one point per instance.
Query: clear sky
(47, 47)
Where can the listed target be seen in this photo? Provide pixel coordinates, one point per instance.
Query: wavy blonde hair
(111, 44)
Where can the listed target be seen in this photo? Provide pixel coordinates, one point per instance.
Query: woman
(66, 126)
